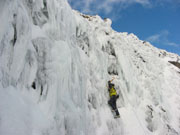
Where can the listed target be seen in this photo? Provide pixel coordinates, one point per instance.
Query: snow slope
(54, 68)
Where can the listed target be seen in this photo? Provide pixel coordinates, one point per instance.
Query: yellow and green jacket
(112, 92)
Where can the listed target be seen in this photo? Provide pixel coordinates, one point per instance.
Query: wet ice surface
(54, 68)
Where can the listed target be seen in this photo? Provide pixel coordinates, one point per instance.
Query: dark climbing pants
(112, 103)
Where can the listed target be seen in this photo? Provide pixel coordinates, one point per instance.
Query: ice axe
(112, 79)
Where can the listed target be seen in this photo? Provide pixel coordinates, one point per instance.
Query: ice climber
(113, 97)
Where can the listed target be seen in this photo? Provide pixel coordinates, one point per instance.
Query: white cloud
(158, 37)
(106, 6)
(153, 38)
(169, 1)
(173, 44)
(162, 38)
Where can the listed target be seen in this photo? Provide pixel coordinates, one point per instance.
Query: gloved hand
(117, 96)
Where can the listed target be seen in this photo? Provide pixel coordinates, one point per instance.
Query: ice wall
(54, 68)
(40, 60)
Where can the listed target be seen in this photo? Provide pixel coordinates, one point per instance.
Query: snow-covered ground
(54, 68)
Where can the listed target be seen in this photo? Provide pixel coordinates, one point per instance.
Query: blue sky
(156, 21)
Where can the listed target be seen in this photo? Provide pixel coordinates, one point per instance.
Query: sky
(155, 21)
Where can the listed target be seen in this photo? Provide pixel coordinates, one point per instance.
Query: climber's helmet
(110, 84)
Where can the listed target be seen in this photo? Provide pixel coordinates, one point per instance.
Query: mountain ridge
(54, 66)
